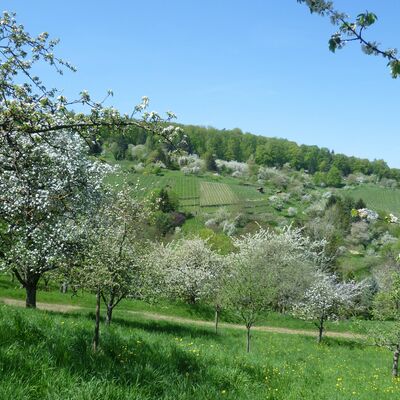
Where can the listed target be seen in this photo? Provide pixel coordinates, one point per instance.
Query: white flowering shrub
(236, 168)
(392, 219)
(292, 211)
(367, 214)
(389, 183)
(139, 168)
(306, 198)
(316, 209)
(278, 178)
(327, 195)
(276, 202)
(195, 170)
(229, 228)
(137, 153)
(190, 164)
(224, 220)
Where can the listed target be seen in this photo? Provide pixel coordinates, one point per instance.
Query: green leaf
(334, 42)
(395, 68)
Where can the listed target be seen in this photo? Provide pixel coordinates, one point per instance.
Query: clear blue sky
(259, 65)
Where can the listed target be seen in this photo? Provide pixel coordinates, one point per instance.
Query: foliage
(210, 162)
(30, 110)
(46, 179)
(213, 144)
(164, 200)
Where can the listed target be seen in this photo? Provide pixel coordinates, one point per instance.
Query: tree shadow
(126, 357)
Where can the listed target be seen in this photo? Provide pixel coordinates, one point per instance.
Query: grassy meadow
(47, 355)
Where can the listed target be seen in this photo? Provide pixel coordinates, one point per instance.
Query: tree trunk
(109, 313)
(320, 329)
(248, 338)
(30, 289)
(29, 282)
(217, 309)
(64, 287)
(97, 323)
(395, 369)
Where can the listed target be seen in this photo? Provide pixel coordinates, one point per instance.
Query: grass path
(188, 321)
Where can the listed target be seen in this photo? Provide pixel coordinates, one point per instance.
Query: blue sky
(259, 65)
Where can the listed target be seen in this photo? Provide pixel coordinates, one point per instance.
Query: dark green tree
(209, 159)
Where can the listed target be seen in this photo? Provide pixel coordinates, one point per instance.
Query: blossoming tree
(269, 271)
(45, 189)
(327, 299)
(188, 270)
(46, 179)
(187, 267)
(113, 266)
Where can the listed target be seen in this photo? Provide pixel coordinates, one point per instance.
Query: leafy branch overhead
(354, 31)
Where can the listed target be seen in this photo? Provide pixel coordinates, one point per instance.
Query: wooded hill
(269, 151)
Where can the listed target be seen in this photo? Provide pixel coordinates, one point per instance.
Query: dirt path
(188, 321)
(273, 329)
(41, 306)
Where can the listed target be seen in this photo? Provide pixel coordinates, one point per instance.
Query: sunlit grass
(48, 356)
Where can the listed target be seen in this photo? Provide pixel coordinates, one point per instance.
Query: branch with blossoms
(31, 109)
(353, 31)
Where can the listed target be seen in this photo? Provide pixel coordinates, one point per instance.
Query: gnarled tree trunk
(29, 282)
(30, 301)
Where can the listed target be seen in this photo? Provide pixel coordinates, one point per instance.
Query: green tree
(210, 163)
(164, 200)
(333, 177)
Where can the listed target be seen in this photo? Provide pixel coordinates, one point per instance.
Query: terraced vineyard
(195, 192)
(378, 198)
(216, 194)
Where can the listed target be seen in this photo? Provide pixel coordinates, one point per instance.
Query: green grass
(9, 289)
(378, 198)
(48, 356)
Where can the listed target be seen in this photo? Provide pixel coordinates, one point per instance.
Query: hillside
(232, 201)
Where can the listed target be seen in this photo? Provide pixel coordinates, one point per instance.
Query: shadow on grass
(126, 358)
